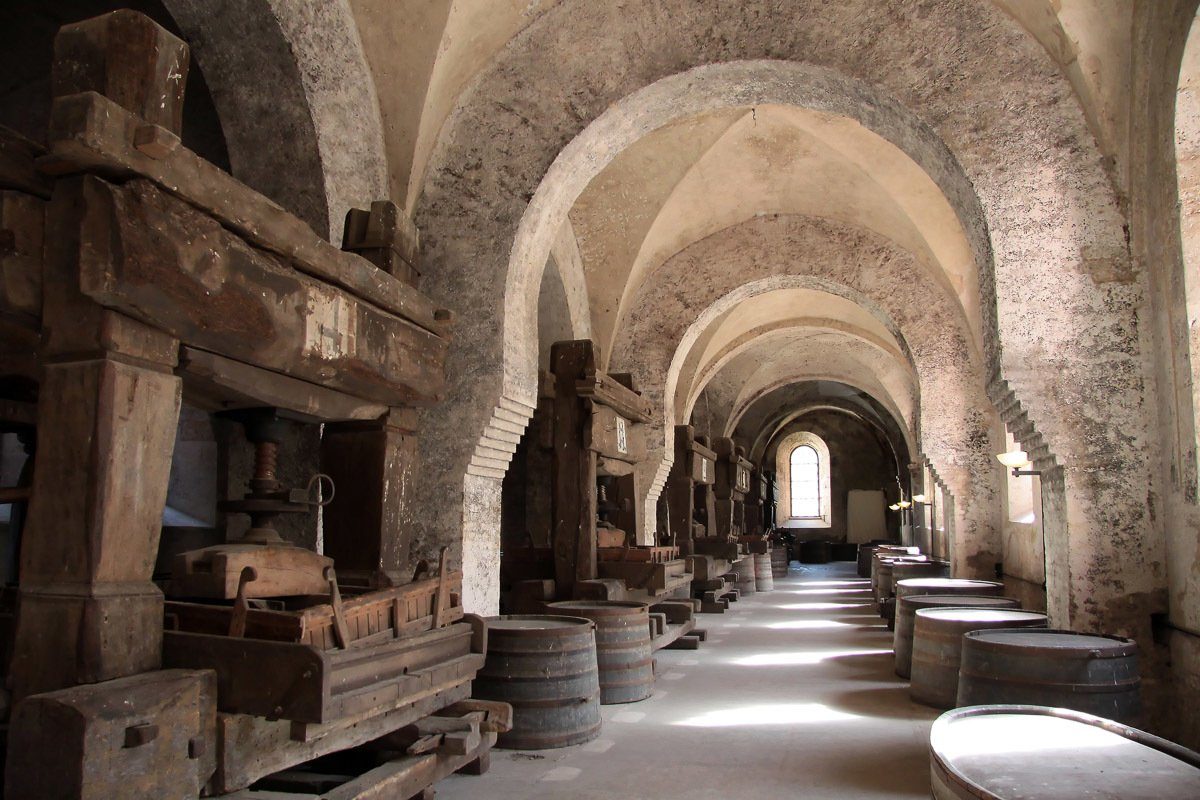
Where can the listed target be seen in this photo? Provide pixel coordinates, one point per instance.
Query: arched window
(802, 465)
(806, 482)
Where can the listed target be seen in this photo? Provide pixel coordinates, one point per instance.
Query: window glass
(806, 482)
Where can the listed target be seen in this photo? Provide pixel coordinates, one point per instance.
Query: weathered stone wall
(1008, 125)
(1160, 33)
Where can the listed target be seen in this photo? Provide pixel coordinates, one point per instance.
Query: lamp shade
(1015, 459)
(919, 498)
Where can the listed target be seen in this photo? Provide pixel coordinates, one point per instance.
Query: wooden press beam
(159, 260)
(89, 131)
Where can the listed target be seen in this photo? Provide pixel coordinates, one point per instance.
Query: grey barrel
(914, 586)
(884, 584)
(1093, 673)
(545, 667)
(1011, 751)
(903, 571)
(623, 652)
(907, 607)
(764, 579)
(886, 551)
(937, 647)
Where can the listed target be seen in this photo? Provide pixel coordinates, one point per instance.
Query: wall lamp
(1015, 461)
(922, 499)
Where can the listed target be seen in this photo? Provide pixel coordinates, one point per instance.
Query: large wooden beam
(157, 259)
(90, 132)
(574, 473)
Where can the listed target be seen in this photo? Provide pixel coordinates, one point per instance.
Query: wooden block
(386, 237)
(18, 168)
(129, 59)
(686, 642)
(132, 737)
(479, 766)
(280, 571)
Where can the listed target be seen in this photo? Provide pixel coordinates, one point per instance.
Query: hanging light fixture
(1015, 460)
(894, 507)
(920, 498)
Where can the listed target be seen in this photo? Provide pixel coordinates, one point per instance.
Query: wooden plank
(282, 680)
(89, 131)
(216, 383)
(374, 466)
(253, 747)
(18, 168)
(411, 775)
(603, 389)
(163, 262)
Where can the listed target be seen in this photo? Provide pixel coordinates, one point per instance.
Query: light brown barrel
(764, 579)
(545, 667)
(779, 561)
(937, 646)
(623, 651)
(906, 608)
(865, 551)
(1001, 752)
(1093, 673)
(743, 568)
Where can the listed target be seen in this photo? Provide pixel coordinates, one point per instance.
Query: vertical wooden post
(373, 465)
(680, 490)
(107, 411)
(574, 473)
(706, 498)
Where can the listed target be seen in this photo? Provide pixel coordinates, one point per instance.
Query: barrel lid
(917, 601)
(1059, 641)
(601, 607)
(980, 615)
(946, 583)
(1051, 753)
(535, 622)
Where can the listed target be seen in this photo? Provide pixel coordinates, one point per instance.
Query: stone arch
(539, 122)
(296, 99)
(695, 286)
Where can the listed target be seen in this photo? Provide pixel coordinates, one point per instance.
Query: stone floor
(793, 695)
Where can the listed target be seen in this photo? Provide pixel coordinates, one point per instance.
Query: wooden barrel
(906, 608)
(743, 568)
(779, 561)
(844, 551)
(1008, 752)
(914, 586)
(890, 551)
(884, 585)
(545, 667)
(816, 552)
(1092, 673)
(865, 551)
(919, 569)
(937, 646)
(764, 579)
(623, 651)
